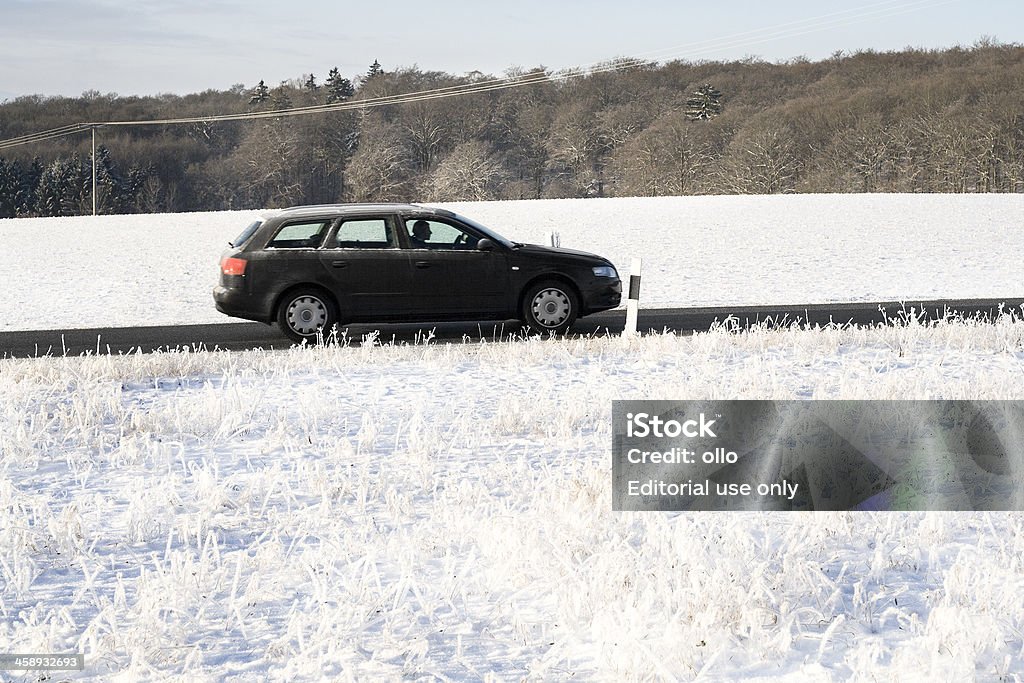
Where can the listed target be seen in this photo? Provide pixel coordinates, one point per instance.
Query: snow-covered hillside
(697, 251)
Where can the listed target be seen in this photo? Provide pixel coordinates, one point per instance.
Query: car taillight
(232, 266)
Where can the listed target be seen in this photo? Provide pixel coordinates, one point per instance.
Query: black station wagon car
(310, 268)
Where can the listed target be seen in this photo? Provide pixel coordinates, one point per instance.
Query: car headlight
(604, 271)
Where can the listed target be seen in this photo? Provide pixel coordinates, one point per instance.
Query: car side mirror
(484, 244)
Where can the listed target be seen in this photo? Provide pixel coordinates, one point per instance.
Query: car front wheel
(549, 307)
(306, 315)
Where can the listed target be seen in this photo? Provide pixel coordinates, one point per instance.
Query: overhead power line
(43, 135)
(885, 8)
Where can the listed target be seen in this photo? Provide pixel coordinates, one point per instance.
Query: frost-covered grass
(121, 271)
(444, 512)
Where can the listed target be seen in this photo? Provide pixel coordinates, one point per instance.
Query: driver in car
(420, 234)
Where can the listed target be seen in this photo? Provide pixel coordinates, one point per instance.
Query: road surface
(240, 335)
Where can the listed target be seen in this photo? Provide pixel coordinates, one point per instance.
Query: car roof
(342, 209)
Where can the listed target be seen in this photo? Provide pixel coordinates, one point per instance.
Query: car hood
(559, 251)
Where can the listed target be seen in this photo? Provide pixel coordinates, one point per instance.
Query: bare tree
(379, 168)
(470, 173)
(266, 163)
(519, 125)
(761, 161)
(861, 157)
(573, 143)
(427, 129)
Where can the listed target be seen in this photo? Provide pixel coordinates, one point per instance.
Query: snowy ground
(444, 512)
(697, 251)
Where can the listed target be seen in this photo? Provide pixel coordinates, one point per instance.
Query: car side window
(433, 234)
(299, 236)
(364, 233)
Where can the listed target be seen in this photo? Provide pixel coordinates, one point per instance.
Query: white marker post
(633, 302)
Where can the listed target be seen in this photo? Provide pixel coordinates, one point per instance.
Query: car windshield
(486, 231)
(246, 234)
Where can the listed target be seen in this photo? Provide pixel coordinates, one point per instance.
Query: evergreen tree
(339, 88)
(280, 99)
(57, 189)
(260, 94)
(28, 182)
(118, 192)
(704, 104)
(311, 84)
(375, 70)
(131, 190)
(9, 182)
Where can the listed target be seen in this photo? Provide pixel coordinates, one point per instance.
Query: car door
(369, 272)
(290, 255)
(451, 278)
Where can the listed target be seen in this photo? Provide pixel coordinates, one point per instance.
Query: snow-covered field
(697, 251)
(443, 511)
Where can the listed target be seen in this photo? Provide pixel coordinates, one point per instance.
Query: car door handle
(339, 264)
(422, 264)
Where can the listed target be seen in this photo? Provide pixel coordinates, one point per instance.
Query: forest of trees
(910, 121)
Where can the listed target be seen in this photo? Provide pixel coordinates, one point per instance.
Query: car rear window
(246, 234)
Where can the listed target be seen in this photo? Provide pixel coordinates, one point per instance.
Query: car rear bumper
(236, 303)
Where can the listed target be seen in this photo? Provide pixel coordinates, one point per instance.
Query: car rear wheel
(306, 315)
(549, 307)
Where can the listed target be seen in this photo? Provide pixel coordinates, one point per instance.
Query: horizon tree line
(909, 121)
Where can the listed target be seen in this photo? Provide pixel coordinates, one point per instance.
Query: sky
(145, 47)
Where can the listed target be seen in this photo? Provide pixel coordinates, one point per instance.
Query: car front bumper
(601, 295)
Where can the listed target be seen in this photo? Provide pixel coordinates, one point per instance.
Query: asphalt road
(239, 336)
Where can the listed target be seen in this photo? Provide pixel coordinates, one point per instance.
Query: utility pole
(94, 170)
